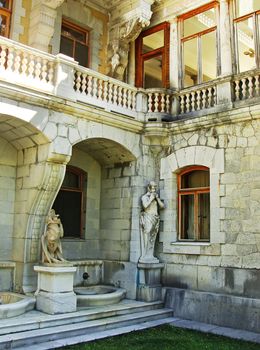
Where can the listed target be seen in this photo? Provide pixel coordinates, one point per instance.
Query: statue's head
(152, 186)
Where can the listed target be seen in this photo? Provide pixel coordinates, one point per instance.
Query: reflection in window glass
(3, 25)
(208, 56)
(187, 220)
(200, 22)
(153, 41)
(190, 58)
(195, 179)
(244, 7)
(245, 45)
(203, 215)
(153, 73)
(5, 4)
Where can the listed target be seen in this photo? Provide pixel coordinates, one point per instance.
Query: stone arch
(170, 166)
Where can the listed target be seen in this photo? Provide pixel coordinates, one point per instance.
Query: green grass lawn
(166, 338)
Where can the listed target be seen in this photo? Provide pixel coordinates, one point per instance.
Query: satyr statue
(149, 222)
(51, 243)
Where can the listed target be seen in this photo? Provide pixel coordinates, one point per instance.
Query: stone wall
(229, 263)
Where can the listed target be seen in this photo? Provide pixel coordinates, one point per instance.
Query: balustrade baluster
(83, 83)
(162, 109)
(31, 67)
(89, 85)
(51, 73)
(244, 88)
(24, 63)
(182, 104)
(78, 81)
(257, 85)
(3, 57)
(134, 101)
(204, 98)
(95, 87)
(214, 89)
(210, 98)
(110, 92)
(167, 103)
(129, 99)
(156, 102)
(115, 87)
(100, 89)
(124, 97)
(237, 90)
(150, 102)
(250, 87)
(38, 67)
(105, 91)
(10, 59)
(44, 70)
(17, 62)
(193, 101)
(120, 97)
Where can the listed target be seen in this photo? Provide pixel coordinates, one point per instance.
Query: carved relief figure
(51, 244)
(149, 222)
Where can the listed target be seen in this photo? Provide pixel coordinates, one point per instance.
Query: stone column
(225, 39)
(174, 57)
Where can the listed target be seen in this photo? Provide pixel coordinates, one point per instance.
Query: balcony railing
(61, 76)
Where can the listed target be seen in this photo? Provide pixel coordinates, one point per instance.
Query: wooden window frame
(198, 35)
(7, 12)
(79, 29)
(256, 34)
(163, 51)
(82, 175)
(195, 192)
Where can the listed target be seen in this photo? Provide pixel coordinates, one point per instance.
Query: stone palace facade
(99, 97)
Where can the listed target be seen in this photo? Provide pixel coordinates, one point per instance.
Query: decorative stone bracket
(126, 30)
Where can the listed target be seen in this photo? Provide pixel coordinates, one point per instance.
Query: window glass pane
(195, 179)
(71, 180)
(153, 73)
(203, 219)
(66, 46)
(73, 34)
(3, 25)
(190, 57)
(153, 41)
(200, 22)
(5, 4)
(245, 44)
(68, 205)
(187, 217)
(209, 56)
(246, 6)
(81, 54)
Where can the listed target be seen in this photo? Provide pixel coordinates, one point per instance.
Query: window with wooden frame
(194, 204)
(5, 17)
(70, 202)
(199, 49)
(247, 34)
(152, 57)
(75, 42)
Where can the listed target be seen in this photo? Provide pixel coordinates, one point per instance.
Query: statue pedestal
(149, 286)
(55, 294)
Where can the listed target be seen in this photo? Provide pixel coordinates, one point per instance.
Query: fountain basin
(14, 304)
(99, 295)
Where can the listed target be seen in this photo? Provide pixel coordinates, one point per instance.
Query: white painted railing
(26, 66)
(196, 99)
(247, 85)
(102, 91)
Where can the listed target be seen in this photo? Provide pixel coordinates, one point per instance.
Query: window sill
(193, 248)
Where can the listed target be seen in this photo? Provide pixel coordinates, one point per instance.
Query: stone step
(55, 344)
(36, 320)
(43, 335)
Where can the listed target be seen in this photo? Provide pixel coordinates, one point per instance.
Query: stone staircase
(37, 331)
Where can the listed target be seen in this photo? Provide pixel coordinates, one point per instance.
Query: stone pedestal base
(149, 287)
(55, 289)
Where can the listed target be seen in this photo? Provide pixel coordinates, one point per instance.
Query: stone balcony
(62, 77)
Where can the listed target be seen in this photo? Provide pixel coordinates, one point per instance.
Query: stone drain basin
(14, 304)
(99, 295)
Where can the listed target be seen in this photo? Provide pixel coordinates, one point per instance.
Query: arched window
(70, 202)
(194, 204)
(5, 17)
